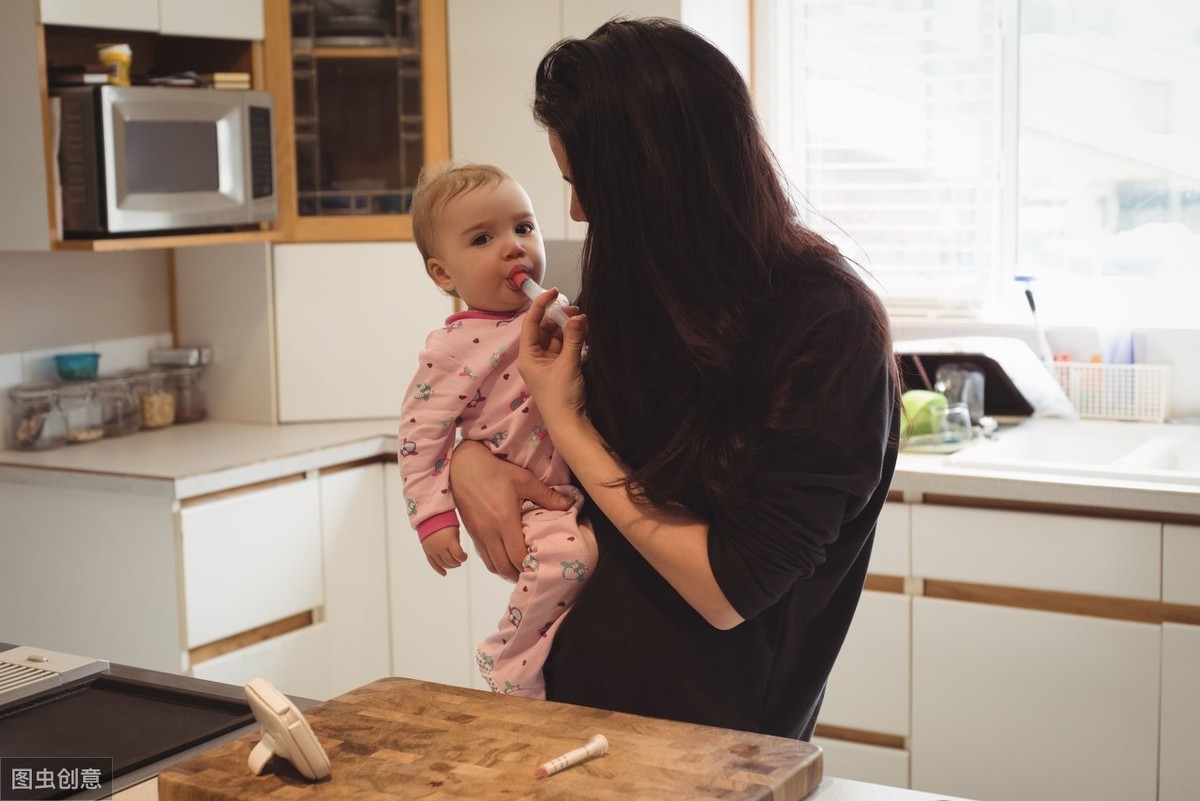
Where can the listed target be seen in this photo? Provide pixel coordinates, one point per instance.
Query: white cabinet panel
(90, 573)
(868, 688)
(24, 203)
(350, 320)
(132, 15)
(224, 19)
(890, 553)
(488, 605)
(296, 663)
(490, 107)
(1090, 555)
(1181, 564)
(1040, 706)
(251, 559)
(224, 298)
(864, 763)
(354, 539)
(1179, 769)
(430, 638)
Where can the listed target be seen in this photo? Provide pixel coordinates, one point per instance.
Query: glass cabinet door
(367, 80)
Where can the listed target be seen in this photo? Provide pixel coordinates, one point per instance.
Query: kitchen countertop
(185, 461)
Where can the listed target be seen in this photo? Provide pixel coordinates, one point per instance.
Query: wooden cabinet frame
(435, 91)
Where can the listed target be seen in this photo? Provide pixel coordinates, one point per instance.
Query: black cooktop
(118, 722)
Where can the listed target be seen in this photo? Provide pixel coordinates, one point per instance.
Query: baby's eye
(525, 228)
(482, 239)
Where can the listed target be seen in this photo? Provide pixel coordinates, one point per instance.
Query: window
(947, 146)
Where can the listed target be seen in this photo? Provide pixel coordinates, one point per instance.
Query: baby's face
(483, 237)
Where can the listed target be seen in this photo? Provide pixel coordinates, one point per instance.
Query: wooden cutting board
(403, 738)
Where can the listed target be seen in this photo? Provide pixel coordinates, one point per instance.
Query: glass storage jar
(118, 405)
(156, 402)
(81, 408)
(35, 421)
(187, 385)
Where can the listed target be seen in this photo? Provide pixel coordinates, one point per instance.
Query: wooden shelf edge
(165, 242)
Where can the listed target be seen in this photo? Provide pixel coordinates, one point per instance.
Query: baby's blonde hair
(437, 186)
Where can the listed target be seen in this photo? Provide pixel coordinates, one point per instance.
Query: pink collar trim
(477, 314)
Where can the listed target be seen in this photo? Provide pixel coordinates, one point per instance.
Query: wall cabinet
(164, 35)
(307, 332)
(363, 103)
(225, 19)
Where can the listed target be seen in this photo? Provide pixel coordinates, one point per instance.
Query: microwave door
(176, 159)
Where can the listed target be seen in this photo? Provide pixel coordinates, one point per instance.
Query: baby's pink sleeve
(428, 423)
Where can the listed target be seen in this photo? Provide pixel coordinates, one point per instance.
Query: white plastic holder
(286, 733)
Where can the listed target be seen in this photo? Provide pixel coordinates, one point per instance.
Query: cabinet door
(131, 15)
(224, 19)
(354, 540)
(1011, 703)
(1181, 564)
(350, 320)
(489, 604)
(1179, 771)
(890, 553)
(296, 663)
(251, 559)
(868, 688)
(430, 638)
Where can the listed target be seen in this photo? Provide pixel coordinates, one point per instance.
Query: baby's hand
(443, 551)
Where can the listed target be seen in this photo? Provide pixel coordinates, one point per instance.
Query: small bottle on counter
(81, 408)
(187, 385)
(35, 420)
(118, 406)
(156, 402)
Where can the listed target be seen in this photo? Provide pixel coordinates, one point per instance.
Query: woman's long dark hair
(691, 237)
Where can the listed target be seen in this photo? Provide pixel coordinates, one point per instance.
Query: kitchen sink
(1157, 453)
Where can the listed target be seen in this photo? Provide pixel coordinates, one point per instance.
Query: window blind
(886, 115)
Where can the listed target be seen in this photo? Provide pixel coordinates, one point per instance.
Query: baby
(475, 229)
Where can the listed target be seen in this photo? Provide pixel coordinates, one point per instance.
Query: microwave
(148, 159)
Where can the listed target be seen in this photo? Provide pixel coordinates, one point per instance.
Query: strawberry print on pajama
(467, 381)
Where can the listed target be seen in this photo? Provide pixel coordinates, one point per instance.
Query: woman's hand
(488, 493)
(549, 361)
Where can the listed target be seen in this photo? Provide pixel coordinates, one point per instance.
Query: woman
(732, 424)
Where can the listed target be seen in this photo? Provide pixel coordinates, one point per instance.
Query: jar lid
(33, 391)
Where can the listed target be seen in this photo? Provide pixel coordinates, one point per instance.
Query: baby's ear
(439, 275)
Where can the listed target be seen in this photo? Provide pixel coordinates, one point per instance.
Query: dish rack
(1137, 392)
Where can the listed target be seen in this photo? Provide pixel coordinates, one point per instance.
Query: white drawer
(1181, 564)
(869, 686)
(251, 559)
(890, 554)
(296, 663)
(1090, 555)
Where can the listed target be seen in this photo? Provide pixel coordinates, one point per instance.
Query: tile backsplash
(37, 366)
